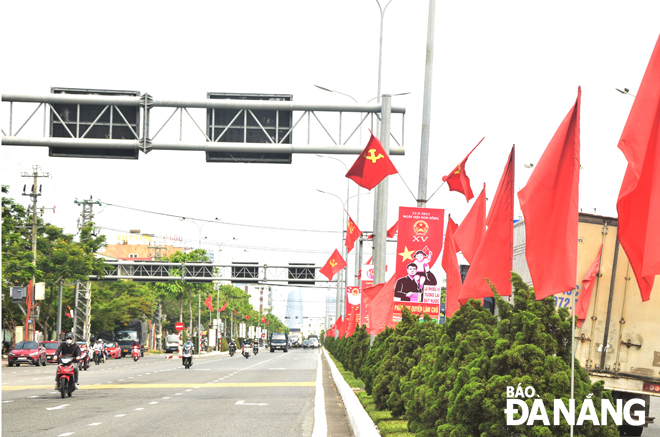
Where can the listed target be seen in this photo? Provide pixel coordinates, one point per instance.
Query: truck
(618, 342)
(295, 337)
(125, 334)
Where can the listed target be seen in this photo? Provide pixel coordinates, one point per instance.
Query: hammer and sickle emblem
(351, 227)
(458, 170)
(373, 157)
(333, 262)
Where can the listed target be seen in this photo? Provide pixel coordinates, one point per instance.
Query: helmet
(99, 341)
(69, 336)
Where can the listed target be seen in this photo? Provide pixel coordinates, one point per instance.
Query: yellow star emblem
(407, 254)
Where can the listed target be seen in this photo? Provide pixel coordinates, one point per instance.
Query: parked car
(51, 348)
(113, 349)
(172, 343)
(27, 352)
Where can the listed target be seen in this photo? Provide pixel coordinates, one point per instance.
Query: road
(265, 395)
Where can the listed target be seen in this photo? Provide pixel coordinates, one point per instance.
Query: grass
(387, 426)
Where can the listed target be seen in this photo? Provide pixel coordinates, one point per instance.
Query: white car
(315, 342)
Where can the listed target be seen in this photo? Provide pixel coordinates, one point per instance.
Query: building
(139, 252)
(260, 297)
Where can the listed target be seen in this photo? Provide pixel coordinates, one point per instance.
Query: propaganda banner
(366, 281)
(419, 246)
(353, 301)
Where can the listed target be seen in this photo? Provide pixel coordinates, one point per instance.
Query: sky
(507, 71)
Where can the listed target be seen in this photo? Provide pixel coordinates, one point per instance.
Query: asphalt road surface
(270, 394)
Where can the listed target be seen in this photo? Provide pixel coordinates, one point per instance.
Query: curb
(361, 423)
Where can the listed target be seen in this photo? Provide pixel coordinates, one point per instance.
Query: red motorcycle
(135, 353)
(83, 362)
(98, 356)
(65, 375)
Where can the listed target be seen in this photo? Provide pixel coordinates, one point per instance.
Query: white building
(261, 297)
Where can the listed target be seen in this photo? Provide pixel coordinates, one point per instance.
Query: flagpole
(572, 348)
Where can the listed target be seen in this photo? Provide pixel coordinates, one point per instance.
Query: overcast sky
(507, 71)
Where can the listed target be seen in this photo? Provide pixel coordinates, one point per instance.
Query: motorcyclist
(105, 349)
(98, 346)
(232, 345)
(246, 345)
(136, 344)
(68, 348)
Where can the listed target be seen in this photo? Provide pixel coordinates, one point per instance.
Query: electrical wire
(221, 223)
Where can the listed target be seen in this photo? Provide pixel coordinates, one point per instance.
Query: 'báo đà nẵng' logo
(519, 413)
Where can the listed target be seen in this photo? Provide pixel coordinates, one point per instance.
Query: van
(172, 343)
(280, 341)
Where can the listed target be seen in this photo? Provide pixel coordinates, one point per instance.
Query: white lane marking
(167, 397)
(120, 415)
(58, 407)
(4, 402)
(147, 373)
(248, 403)
(152, 403)
(130, 377)
(320, 421)
(120, 379)
(94, 424)
(66, 434)
(32, 397)
(138, 409)
(201, 369)
(177, 394)
(54, 392)
(277, 368)
(195, 387)
(189, 390)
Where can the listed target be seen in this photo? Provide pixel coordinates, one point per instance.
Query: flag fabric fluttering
(582, 304)
(222, 308)
(494, 258)
(372, 166)
(352, 234)
(209, 303)
(468, 236)
(378, 305)
(391, 232)
(549, 203)
(458, 180)
(452, 269)
(638, 204)
(340, 327)
(334, 264)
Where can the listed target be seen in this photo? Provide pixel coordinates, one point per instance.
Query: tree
(117, 303)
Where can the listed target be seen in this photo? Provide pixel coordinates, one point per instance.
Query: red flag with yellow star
(334, 264)
(352, 234)
(458, 180)
(372, 166)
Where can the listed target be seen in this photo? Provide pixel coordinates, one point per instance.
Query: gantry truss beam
(330, 136)
(206, 272)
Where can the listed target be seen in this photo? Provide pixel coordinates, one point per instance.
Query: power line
(221, 223)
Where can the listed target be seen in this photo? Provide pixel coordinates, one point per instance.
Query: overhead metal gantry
(115, 113)
(155, 271)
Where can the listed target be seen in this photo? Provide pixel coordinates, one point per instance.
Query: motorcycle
(187, 354)
(98, 356)
(246, 352)
(65, 375)
(135, 353)
(83, 362)
(232, 350)
(255, 349)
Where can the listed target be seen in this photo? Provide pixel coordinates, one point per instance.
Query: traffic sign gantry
(179, 326)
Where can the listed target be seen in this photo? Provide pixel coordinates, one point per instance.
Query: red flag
(458, 180)
(549, 203)
(224, 306)
(352, 234)
(452, 269)
(247, 317)
(391, 232)
(378, 305)
(340, 326)
(582, 304)
(473, 227)
(351, 323)
(334, 264)
(372, 166)
(209, 303)
(494, 258)
(263, 320)
(235, 311)
(638, 204)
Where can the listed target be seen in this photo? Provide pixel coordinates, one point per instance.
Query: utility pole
(34, 195)
(83, 294)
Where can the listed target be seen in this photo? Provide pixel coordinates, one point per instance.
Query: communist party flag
(340, 327)
(352, 234)
(494, 258)
(638, 204)
(372, 166)
(378, 306)
(549, 203)
(473, 227)
(458, 180)
(222, 308)
(452, 269)
(209, 303)
(333, 265)
(582, 304)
